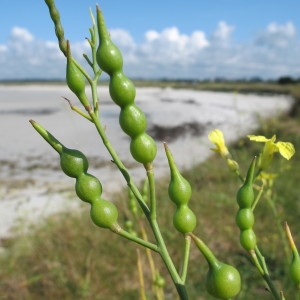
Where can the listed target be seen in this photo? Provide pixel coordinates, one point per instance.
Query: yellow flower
(217, 138)
(268, 178)
(233, 165)
(286, 149)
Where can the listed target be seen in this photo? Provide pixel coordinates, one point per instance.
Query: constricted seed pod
(108, 56)
(143, 148)
(184, 219)
(132, 120)
(248, 239)
(245, 218)
(73, 162)
(88, 188)
(245, 194)
(104, 213)
(75, 79)
(223, 281)
(179, 190)
(294, 270)
(121, 89)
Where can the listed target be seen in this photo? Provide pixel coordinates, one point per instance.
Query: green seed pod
(160, 281)
(59, 31)
(184, 219)
(248, 239)
(179, 190)
(88, 188)
(121, 89)
(294, 270)
(143, 148)
(245, 194)
(223, 281)
(294, 267)
(132, 120)
(108, 56)
(104, 213)
(73, 162)
(75, 79)
(245, 218)
(48, 137)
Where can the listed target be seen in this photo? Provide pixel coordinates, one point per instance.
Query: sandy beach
(31, 183)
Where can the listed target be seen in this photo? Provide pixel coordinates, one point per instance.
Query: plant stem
(162, 249)
(141, 277)
(260, 191)
(179, 284)
(186, 257)
(135, 239)
(274, 210)
(265, 273)
(150, 175)
(119, 163)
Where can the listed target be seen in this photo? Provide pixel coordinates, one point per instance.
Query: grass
(67, 257)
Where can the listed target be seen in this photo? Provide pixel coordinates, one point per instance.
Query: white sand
(31, 183)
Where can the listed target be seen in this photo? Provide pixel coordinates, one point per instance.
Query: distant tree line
(256, 79)
(284, 80)
(287, 80)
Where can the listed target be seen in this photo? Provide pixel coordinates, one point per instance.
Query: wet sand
(31, 183)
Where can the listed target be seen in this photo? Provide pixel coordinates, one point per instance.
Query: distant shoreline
(267, 87)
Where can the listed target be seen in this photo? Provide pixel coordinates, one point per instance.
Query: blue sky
(188, 39)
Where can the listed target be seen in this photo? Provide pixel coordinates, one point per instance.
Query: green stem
(97, 71)
(186, 257)
(119, 163)
(261, 189)
(179, 284)
(135, 239)
(278, 224)
(162, 249)
(256, 261)
(265, 274)
(95, 96)
(150, 175)
(77, 110)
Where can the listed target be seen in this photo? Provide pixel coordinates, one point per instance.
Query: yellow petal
(287, 150)
(268, 176)
(232, 164)
(216, 136)
(258, 138)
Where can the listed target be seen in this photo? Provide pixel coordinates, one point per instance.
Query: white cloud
(168, 53)
(21, 34)
(276, 35)
(222, 34)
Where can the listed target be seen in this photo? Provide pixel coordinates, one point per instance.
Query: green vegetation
(240, 86)
(67, 257)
